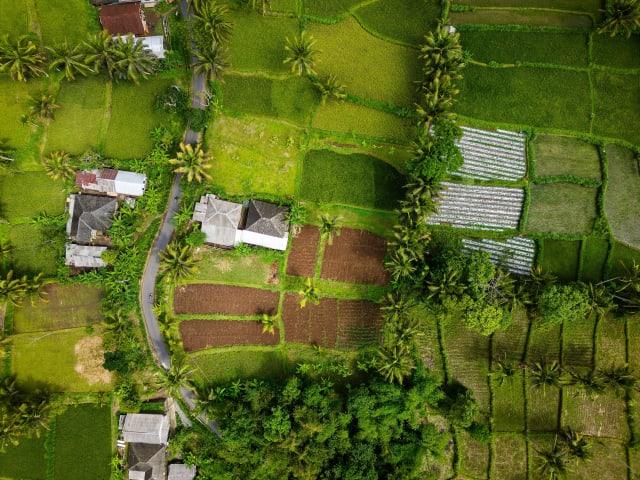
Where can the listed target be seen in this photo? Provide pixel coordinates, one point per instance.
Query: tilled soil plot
(302, 259)
(204, 298)
(332, 323)
(355, 256)
(199, 334)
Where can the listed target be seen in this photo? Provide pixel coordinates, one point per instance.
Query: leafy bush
(560, 303)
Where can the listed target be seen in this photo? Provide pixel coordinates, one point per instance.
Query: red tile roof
(84, 178)
(123, 18)
(108, 174)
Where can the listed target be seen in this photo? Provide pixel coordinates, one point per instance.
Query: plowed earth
(205, 298)
(199, 334)
(302, 259)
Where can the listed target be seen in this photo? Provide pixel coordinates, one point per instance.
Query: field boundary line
(34, 20)
(537, 9)
(106, 116)
(384, 38)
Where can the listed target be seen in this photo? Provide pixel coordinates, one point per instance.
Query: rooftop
(220, 220)
(84, 256)
(146, 428)
(123, 19)
(267, 219)
(90, 216)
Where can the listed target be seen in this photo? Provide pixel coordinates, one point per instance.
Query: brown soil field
(205, 298)
(355, 256)
(199, 334)
(302, 259)
(332, 323)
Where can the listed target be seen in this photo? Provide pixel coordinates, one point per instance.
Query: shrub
(560, 303)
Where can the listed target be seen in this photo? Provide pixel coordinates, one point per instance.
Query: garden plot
(557, 155)
(510, 453)
(200, 334)
(304, 246)
(516, 254)
(482, 208)
(492, 155)
(355, 256)
(203, 299)
(563, 208)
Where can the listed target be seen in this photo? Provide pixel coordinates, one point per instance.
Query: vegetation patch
(540, 97)
(429, 344)
(14, 18)
(474, 456)
(258, 267)
(203, 298)
(346, 117)
(589, 6)
(55, 25)
(509, 462)
(622, 192)
(45, 196)
(25, 460)
(539, 18)
(508, 404)
(355, 256)
(212, 366)
(577, 342)
(622, 259)
(617, 52)
(84, 428)
(611, 462)
(35, 250)
(253, 156)
(615, 97)
(63, 306)
(562, 208)
(561, 258)
(302, 256)
(594, 257)
(504, 46)
(356, 179)
(200, 334)
(369, 67)
(556, 155)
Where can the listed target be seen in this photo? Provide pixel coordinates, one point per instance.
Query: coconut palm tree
(545, 374)
(192, 162)
(309, 293)
(395, 364)
(330, 88)
(58, 166)
(69, 59)
(401, 265)
(329, 226)
(175, 378)
(576, 445)
(600, 300)
(504, 371)
(552, 463)
(13, 290)
(211, 61)
(592, 382)
(619, 379)
(43, 106)
(300, 54)
(442, 51)
(5, 251)
(100, 52)
(622, 17)
(116, 321)
(21, 58)
(215, 20)
(132, 60)
(6, 153)
(268, 323)
(177, 260)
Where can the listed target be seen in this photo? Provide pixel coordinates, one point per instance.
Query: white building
(112, 182)
(84, 256)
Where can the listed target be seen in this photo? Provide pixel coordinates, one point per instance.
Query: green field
(616, 96)
(24, 461)
(14, 17)
(562, 208)
(556, 155)
(14, 103)
(45, 196)
(328, 8)
(359, 180)
(561, 258)
(594, 256)
(55, 25)
(617, 52)
(589, 6)
(217, 265)
(34, 250)
(540, 18)
(622, 257)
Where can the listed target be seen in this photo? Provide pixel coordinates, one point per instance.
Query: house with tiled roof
(124, 18)
(90, 217)
(265, 225)
(112, 182)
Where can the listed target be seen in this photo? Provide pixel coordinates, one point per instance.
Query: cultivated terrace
(319, 239)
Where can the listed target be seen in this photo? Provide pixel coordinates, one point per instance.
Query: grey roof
(89, 214)
(84, 256)
(146, 462)
(146, 428)
(267, 219)
(220, 221)
(180, 471)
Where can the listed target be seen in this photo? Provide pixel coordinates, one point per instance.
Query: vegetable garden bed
(302, 256)
(203, 298)
(200, 334)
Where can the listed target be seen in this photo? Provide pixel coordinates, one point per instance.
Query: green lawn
(540, 97)
(78, 123)
(292, 99)
(359, 180)
(83, 428)
(64, 306)
(347, 117)
(556, 155)
(594, 257)
(44, 196)
(133, 118)
(245, 163)
(560, 48)
(618, 52)
(369, 67)
(51, 358)
(541, 18)
(401, 20)
(257, 42)
(622, 195)
(24, 461)
(617, 110)
(54, 20)
(14, 17)
(561, 258)
(562, 208)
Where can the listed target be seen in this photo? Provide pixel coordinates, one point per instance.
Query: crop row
(516, 254)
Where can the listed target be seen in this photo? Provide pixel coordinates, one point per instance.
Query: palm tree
(100, 52)
(545, 374)
(263, 4)
(71, 60)
(175, 378)
(396, 306)
(401, 265)
(13, 290)
(58, 166)
(132, 60)
(504, 371)
(329, 226)
(193, 162)
(177, 260)
(577, 445)
(395, 364)
(300, 54)
(268, 323)
(211, 62)
(447, 285)
(309, 293)
(22, 58)
(215, 20)
(330, 88)
(622, 17)
(600, 300)
(619, 378)
(43, 106)
(5, 251)
(6, 153)
(442, 51)
(117, 322)
(553, 463)
(592, 382)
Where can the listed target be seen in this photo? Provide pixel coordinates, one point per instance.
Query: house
(112, 182)
(226, 224)
(84, 256)
(124, 18)
(146, 461)
(146, 428)
(220, 220)
(179, 471)
(90, 217)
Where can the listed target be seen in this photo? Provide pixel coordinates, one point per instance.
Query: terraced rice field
(492, 155)
(481, 208)
(515, 254)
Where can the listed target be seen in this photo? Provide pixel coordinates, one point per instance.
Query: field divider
(538, 9)
(377, 35)
(50, 450)
(491, 452)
